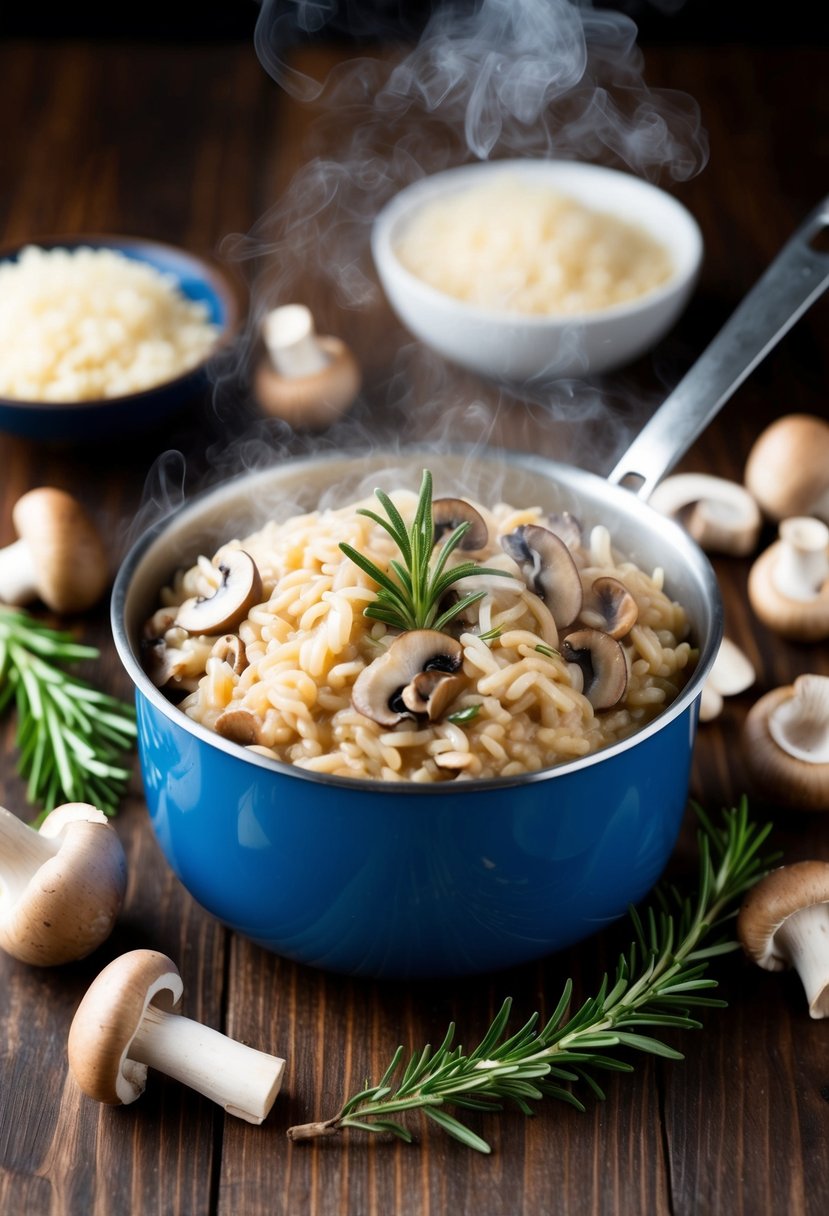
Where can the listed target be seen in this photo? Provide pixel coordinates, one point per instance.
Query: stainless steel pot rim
(673, 534)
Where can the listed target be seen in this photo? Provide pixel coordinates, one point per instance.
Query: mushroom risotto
(542, 645)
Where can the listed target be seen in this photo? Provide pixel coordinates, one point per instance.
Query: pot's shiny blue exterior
(400, 879)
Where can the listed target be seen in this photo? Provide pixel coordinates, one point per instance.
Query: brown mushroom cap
(603, 664)
(239, 590)
(449, 513)
(782, 893)
(787, 469)
(610, 607)
(71, 902)
(379, 691)
(803, 620)
(548, 569)
(784, 778)
(68, 554)
(231, 650)
(239, 724)
(314, 401)
(108, 1019)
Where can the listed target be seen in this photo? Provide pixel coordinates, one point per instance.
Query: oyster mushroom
(128, 1022)
(722, 516)
(602, 663)
(784, 922)
(307, 379)
(788, 585)
(786, 741)
(239, 589)
(393, 686)
(449, 513)
(787, 469)
(59, 555)
(61, 887)
(610, 607)
(547, 567)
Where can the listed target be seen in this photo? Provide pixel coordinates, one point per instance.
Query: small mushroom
(128, 1022)
(602, 663)
(449, 513)
(59, 556)
(389, 689)
(61, 887)
(732, 672)
(786, 740)
(240, 725)
(231, 650)
(784, 922)
(787, 469)
(566, 527)
(239, 589)
(722, 516)
(788, 585)
(168, 665)
(306, 379)
(547, 567)
(610, 607)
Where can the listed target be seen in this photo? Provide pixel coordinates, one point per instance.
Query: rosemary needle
(71, 737)
(656, 982)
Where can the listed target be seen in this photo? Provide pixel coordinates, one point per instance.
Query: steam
(483, 80)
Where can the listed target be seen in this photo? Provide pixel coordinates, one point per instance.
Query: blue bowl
(401, 879)
(200, 280)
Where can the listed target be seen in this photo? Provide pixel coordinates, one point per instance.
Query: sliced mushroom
(231, 650)
(732, 673)
(786, 738)
(547, 566)
(239, 590)
(721, 515)
(239, 724)
(566, 528)
(449, 513)
(382, 690)
(431, 693)
(610, 607)
(602, 663)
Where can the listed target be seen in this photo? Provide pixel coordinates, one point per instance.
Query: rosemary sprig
(656, 981)
(71, 736)
(410, 592)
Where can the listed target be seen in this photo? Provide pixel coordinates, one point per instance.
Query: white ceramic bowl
(512, 347)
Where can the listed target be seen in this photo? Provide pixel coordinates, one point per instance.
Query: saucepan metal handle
(794, 280)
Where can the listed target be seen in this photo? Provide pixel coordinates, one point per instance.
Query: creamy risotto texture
(288, 678)
(515, 246)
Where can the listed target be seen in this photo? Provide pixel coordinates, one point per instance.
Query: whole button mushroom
(788, 585)
(787, 469)
(59, 556)
(784, 922)
(786, 740)
(61, 887)
(128, 1023)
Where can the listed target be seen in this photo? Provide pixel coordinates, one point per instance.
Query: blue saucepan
(395, 879)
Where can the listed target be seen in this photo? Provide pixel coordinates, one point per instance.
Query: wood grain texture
(195, 145)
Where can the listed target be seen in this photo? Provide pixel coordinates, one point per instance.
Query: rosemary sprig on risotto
(410, 592)
(656, 982)
(70, 735)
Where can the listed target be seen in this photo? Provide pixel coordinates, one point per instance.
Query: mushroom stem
(22, 852)
(804, 938)
(18, 576)
(291, 341)
(242, 1080)
(802, 564)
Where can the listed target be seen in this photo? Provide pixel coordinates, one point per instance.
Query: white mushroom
(610, 607)
(788, 585)
(240, 588)
(732, 672)
(722, 516)
(602, 663)
(418, 674)
(784, 922)
(548, 568)
(788, 467)
(786, 739)
(306, 379)
(128, 1022)
(61, 887)
(59, 556)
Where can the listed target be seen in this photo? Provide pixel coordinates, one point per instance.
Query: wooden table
(196, 145)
